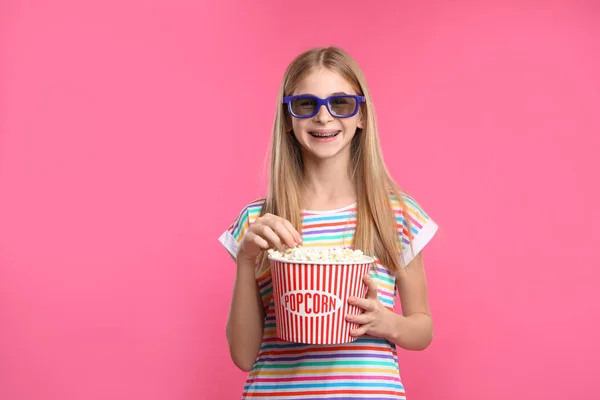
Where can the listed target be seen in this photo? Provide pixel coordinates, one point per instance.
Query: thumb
(371, 286)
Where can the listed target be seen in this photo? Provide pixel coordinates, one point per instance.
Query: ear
(360, 123)
(288, 123)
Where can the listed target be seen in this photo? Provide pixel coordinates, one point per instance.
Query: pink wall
(112, 282)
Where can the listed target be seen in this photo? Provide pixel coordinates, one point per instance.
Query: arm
(245, 323)
(413, 330)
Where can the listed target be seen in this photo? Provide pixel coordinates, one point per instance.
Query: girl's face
(324, 136)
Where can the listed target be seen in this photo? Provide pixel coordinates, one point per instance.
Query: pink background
(132, 132)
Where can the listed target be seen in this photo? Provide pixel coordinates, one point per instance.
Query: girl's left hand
(376, 319)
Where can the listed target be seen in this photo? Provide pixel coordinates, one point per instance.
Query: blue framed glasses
(339, 105)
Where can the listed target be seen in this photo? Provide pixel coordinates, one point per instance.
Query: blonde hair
(376, 229)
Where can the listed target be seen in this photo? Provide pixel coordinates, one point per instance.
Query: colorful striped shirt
(364, 368)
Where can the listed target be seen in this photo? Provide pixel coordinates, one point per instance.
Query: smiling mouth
(324, 134)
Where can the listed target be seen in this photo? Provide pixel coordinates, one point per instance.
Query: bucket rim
(366, 260)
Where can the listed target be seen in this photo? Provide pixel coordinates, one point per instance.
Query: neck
(328, 183)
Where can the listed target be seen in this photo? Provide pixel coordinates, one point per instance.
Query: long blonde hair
(376, 229)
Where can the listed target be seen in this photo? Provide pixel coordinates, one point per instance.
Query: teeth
(324, 134)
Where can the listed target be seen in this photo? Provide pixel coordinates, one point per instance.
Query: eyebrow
(332, 94)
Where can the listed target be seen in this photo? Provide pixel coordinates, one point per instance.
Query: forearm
(246, 317)
(413, 332)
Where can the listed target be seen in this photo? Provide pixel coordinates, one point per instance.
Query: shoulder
(406, 207)
(252, 209)
(247, 215)
(415, 226)
(239, 224)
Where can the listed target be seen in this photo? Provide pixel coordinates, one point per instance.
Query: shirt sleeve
(232, 236)
(422, 229)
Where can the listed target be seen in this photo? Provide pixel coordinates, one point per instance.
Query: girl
(329, 187)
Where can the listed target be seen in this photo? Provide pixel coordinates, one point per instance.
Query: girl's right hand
(268, 231)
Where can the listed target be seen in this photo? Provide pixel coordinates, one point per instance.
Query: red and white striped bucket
(311, 300)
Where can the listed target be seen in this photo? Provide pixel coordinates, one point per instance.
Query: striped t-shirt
(364, 368)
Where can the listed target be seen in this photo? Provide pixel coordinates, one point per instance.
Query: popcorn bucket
(311, 298)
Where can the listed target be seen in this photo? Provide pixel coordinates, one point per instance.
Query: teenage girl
(329, 186)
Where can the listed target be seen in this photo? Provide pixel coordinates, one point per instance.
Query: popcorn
(311, 287)
(320, 255)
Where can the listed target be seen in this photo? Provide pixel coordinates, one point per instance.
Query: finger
(269, 235)
(360, 331)
(273, 219)
(281, 229)
(361, 319)
(297, 236)
(284, 229)
(365, 304)
(371, 286)
(259, 241)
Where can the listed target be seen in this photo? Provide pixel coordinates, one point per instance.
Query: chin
(322, 157)
(323, 154)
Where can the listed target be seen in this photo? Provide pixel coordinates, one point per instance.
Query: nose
(323, 115)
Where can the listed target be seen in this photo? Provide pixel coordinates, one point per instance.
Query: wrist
(245, 261)
(394, 325)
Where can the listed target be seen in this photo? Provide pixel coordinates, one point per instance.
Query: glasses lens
(304, 106)
(342, 106)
